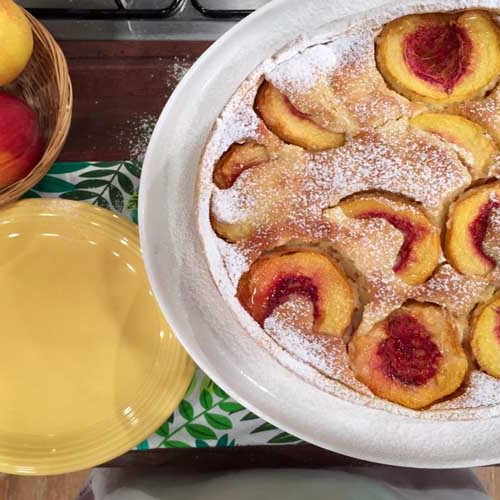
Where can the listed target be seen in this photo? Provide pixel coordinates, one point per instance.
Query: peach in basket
(274, 278)
(440, 58)
(413, 357)
(44, 85)
(16, 41)
(21, 143)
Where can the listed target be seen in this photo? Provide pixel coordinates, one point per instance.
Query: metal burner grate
(132, 9)
(140, 19)
(220, 13)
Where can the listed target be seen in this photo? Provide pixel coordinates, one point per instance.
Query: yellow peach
(485, 334)
(413, 357)
(16, 41)
(470, 137)
(440, 58)
(420, 251)
(274, 278)
(291, 125)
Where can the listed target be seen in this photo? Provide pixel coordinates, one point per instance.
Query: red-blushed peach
(470, 138)
(275, 277)
(467, 226)
(485, 336)
(21, 143)
(440, 58)
(236, 159)
(419, 254)
(291, 125)
(16, 41)
(413, 357)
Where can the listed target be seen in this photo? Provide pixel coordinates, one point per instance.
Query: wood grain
(63, 487)
(490, 478)
(119, 88)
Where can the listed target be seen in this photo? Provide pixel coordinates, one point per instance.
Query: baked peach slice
(419, 254)
(469, 137)
(440, 58)
(413, 357)
(291, 125)
(467, 226)
(276, 277)
(485, 336)
(236, 159)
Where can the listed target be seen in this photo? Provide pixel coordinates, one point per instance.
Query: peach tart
(349, 206)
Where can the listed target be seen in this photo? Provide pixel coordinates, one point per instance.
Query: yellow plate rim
(118, 444)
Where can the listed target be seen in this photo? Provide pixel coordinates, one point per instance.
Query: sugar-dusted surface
(481, 391)
(395, 158)
(290, 326)
(297, 186)
(484, 111)
(458, 293)
(338, 85)
(285, 202)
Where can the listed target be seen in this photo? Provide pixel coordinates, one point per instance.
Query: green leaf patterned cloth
(206, 416)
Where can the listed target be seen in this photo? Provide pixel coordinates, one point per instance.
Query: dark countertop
(119, 88)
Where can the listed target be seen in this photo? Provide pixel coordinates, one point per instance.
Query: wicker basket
(45, 85)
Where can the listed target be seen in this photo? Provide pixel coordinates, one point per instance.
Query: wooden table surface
(120, 88)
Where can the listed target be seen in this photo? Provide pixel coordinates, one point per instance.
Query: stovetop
(140, 19)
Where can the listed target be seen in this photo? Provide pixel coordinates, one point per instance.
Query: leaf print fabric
(112, 185)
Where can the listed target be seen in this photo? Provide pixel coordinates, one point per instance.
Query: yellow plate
(89, 367)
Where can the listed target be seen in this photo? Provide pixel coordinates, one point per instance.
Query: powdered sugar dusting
(458, 293)
(138, 139)
(393, 159)
(288, 200)
(299, 186)
(371, 244)
(235, 261)
(481, 390)
(290, 326)
(484, 111)
(237, 123)
(338, 85)
(303, 71)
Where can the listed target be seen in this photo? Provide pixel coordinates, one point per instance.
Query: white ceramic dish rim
(190, 300)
